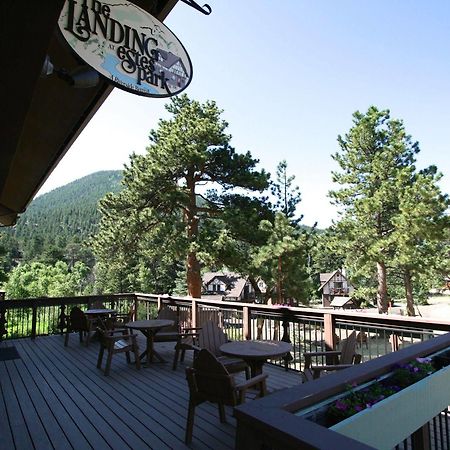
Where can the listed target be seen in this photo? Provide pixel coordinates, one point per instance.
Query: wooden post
(3, 329)
(159, 302)
(421, 438)
(393, 339)
(286, 338)
(194, 313)
(33, 320)
(246, 323)
(329, 323)
(62, 318)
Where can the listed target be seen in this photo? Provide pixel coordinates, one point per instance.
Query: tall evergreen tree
(394, 217)
(287, 195)
(375, 156)
(420, 226)
(160, 200)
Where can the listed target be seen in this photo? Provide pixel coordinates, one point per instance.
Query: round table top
(255, 349)
(148, 324)
(100, 311)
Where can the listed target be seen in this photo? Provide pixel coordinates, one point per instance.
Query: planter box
(393, 419)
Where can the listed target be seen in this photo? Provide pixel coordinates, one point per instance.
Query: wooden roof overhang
(40, 117)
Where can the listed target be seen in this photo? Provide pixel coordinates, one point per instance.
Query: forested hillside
(58, 219)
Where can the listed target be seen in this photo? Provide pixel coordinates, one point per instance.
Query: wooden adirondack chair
(210, 337)
(210, 381)
(77, 322)
(168, 334)
(336, 360)
(114, 343)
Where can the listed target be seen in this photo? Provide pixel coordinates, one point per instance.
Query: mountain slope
(68, 211)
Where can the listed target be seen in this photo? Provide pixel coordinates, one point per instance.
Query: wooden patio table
(149, 328)
(255, 353)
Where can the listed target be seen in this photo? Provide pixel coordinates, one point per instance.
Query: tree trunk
(194, 279)
(409, 293)
(279, 283)
(382, 300)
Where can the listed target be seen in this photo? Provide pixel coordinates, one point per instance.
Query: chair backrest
(166, 313)
(348, 349)
(211, 381)
(211, 337)
(98, 304)
(77, 320)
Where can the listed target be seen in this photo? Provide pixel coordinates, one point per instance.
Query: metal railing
(307, 329)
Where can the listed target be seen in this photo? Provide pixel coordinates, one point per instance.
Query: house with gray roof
(227, 286)
(334, 284)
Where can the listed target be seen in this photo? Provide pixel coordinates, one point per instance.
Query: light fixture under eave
(81, 77)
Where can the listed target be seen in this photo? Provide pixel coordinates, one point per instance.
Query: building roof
(325, 278)
(235, 282)
(341, 301)
(42, 116)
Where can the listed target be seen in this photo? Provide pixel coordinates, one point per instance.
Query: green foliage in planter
(357, 400)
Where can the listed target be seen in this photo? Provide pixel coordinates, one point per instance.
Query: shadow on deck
(55, 397)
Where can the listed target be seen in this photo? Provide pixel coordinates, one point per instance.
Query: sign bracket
(205, 9)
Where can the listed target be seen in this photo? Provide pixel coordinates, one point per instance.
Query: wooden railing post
(393, 339)
(3, 329)
(329, 325)
(33, 320)
(159, 303)
(62, 318)
(421, 438)
(246, 322)
(286, 338)
(194, 313)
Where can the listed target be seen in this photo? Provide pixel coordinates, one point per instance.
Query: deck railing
(279, 421)
(308, 329)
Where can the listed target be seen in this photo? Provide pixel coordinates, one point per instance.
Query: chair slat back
(212, 380)
(166, 313)
(98, 304)
(211, 337)
(77, 320)
(348, 349)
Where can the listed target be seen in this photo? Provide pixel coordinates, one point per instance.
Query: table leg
(255, 367)
(150, 350)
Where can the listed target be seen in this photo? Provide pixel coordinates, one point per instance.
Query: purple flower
(424, 360)
(416, 369)
(341, 405)
(358, 408)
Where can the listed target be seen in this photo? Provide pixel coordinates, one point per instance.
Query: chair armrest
(310, 355)
(121, 337)
(116, 330)
(252, 381)
(316, 370)
(325, 353)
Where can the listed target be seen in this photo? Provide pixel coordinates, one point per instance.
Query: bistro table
(149, 328)
(255, 353)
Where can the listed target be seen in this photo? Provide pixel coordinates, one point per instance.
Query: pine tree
(420, 226)
(160, 200)
(375, 156)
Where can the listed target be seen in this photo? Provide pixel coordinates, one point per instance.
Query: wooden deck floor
(55, 398)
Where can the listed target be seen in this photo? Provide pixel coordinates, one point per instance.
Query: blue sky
(288, 75)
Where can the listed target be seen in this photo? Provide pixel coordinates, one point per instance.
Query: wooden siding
(55, 398)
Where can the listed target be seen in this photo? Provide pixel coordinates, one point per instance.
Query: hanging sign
(135, 51)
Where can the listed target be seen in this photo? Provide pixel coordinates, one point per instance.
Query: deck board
(54, 397)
